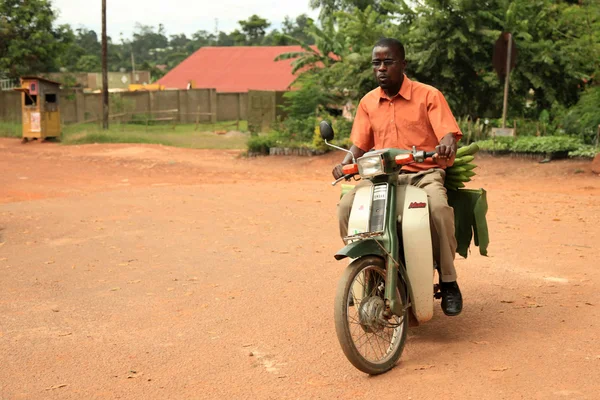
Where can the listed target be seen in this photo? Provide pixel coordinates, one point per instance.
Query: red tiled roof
(233, 69)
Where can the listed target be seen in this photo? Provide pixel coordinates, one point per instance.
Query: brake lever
(346, 177)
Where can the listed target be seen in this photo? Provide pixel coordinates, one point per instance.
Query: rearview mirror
(326, 130)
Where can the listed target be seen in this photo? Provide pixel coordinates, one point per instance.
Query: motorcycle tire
(352, 310)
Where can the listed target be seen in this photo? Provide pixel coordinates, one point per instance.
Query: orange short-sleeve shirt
(417, 116)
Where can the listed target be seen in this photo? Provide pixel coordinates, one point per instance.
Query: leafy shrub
(584, 118)
(502, 144)
(262, 143)
(297, 129)
(546, 144)
(532, 144)
(585, 152)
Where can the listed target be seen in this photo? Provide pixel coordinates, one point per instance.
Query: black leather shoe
(451, 299)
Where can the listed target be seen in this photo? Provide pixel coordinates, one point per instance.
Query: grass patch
(183, 135)
(10, 129)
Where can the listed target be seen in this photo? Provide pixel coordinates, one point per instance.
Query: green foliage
(297, 129)
(342, 129)
(308, 96)
(584, 119)
(586, 151)
(547, 144)
(118, 104)
(10, 129)
(450, 46)
(328, 7)
(540, 145)
(473, 131)
(101, 137)
(301, 107)
(184, 135)
(262, 143)
(254, 29)
(501, 144)
(88, 63)
(29, 41)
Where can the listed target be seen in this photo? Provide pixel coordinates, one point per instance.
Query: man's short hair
(392, 43)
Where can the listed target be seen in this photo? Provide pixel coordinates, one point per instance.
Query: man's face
(388, 67)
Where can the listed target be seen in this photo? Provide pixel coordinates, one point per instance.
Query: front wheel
(372, 342)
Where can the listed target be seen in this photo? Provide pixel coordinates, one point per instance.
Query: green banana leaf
(345, 189)
(470, 209)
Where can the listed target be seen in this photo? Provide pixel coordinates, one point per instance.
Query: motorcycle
(390, 277)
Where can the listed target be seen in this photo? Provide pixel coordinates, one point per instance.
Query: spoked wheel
(372, 342)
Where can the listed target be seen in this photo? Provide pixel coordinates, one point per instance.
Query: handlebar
(424, 154)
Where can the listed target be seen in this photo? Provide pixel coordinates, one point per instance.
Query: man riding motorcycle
(402, 113)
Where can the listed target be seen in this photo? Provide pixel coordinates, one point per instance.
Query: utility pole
(133, 79)
(506, 82)
(104, 69)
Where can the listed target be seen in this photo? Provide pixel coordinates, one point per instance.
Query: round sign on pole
(501, 53)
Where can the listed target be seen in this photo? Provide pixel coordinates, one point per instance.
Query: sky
(178, 16)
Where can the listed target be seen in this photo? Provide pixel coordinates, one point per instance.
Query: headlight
(370, 166)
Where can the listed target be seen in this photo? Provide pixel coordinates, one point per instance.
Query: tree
(147, 42)
(225, 39)
(450, 46)
(329, 43)
(329, 7)
(200, 39)
(88, 39)
(71, 52)
(88, 63)
(238, 38)
(29, 43)
(179, 42)
(254, 28)
(298, 28)
(342, 57)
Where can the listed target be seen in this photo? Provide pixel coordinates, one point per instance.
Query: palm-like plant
(327, 50)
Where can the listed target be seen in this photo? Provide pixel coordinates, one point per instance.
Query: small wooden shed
(41, 111)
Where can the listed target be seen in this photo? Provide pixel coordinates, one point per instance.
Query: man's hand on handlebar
(337, 171)
(356, 152)
(446, 151)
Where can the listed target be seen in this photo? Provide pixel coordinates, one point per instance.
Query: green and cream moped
(390, 278)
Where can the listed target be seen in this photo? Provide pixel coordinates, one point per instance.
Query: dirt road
(148, 272)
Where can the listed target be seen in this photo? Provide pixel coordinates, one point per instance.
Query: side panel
(361, 211)
(418, 251)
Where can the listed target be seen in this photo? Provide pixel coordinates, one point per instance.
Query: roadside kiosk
(41, 112)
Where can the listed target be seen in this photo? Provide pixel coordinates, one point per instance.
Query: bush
(547, 144)
(502, 144)
(297, 129)
(540, 145)
(261, 144)
(585, 152)
(584, 118)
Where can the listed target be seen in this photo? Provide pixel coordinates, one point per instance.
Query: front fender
(361, 248)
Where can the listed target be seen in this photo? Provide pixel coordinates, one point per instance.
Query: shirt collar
(405, 90)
